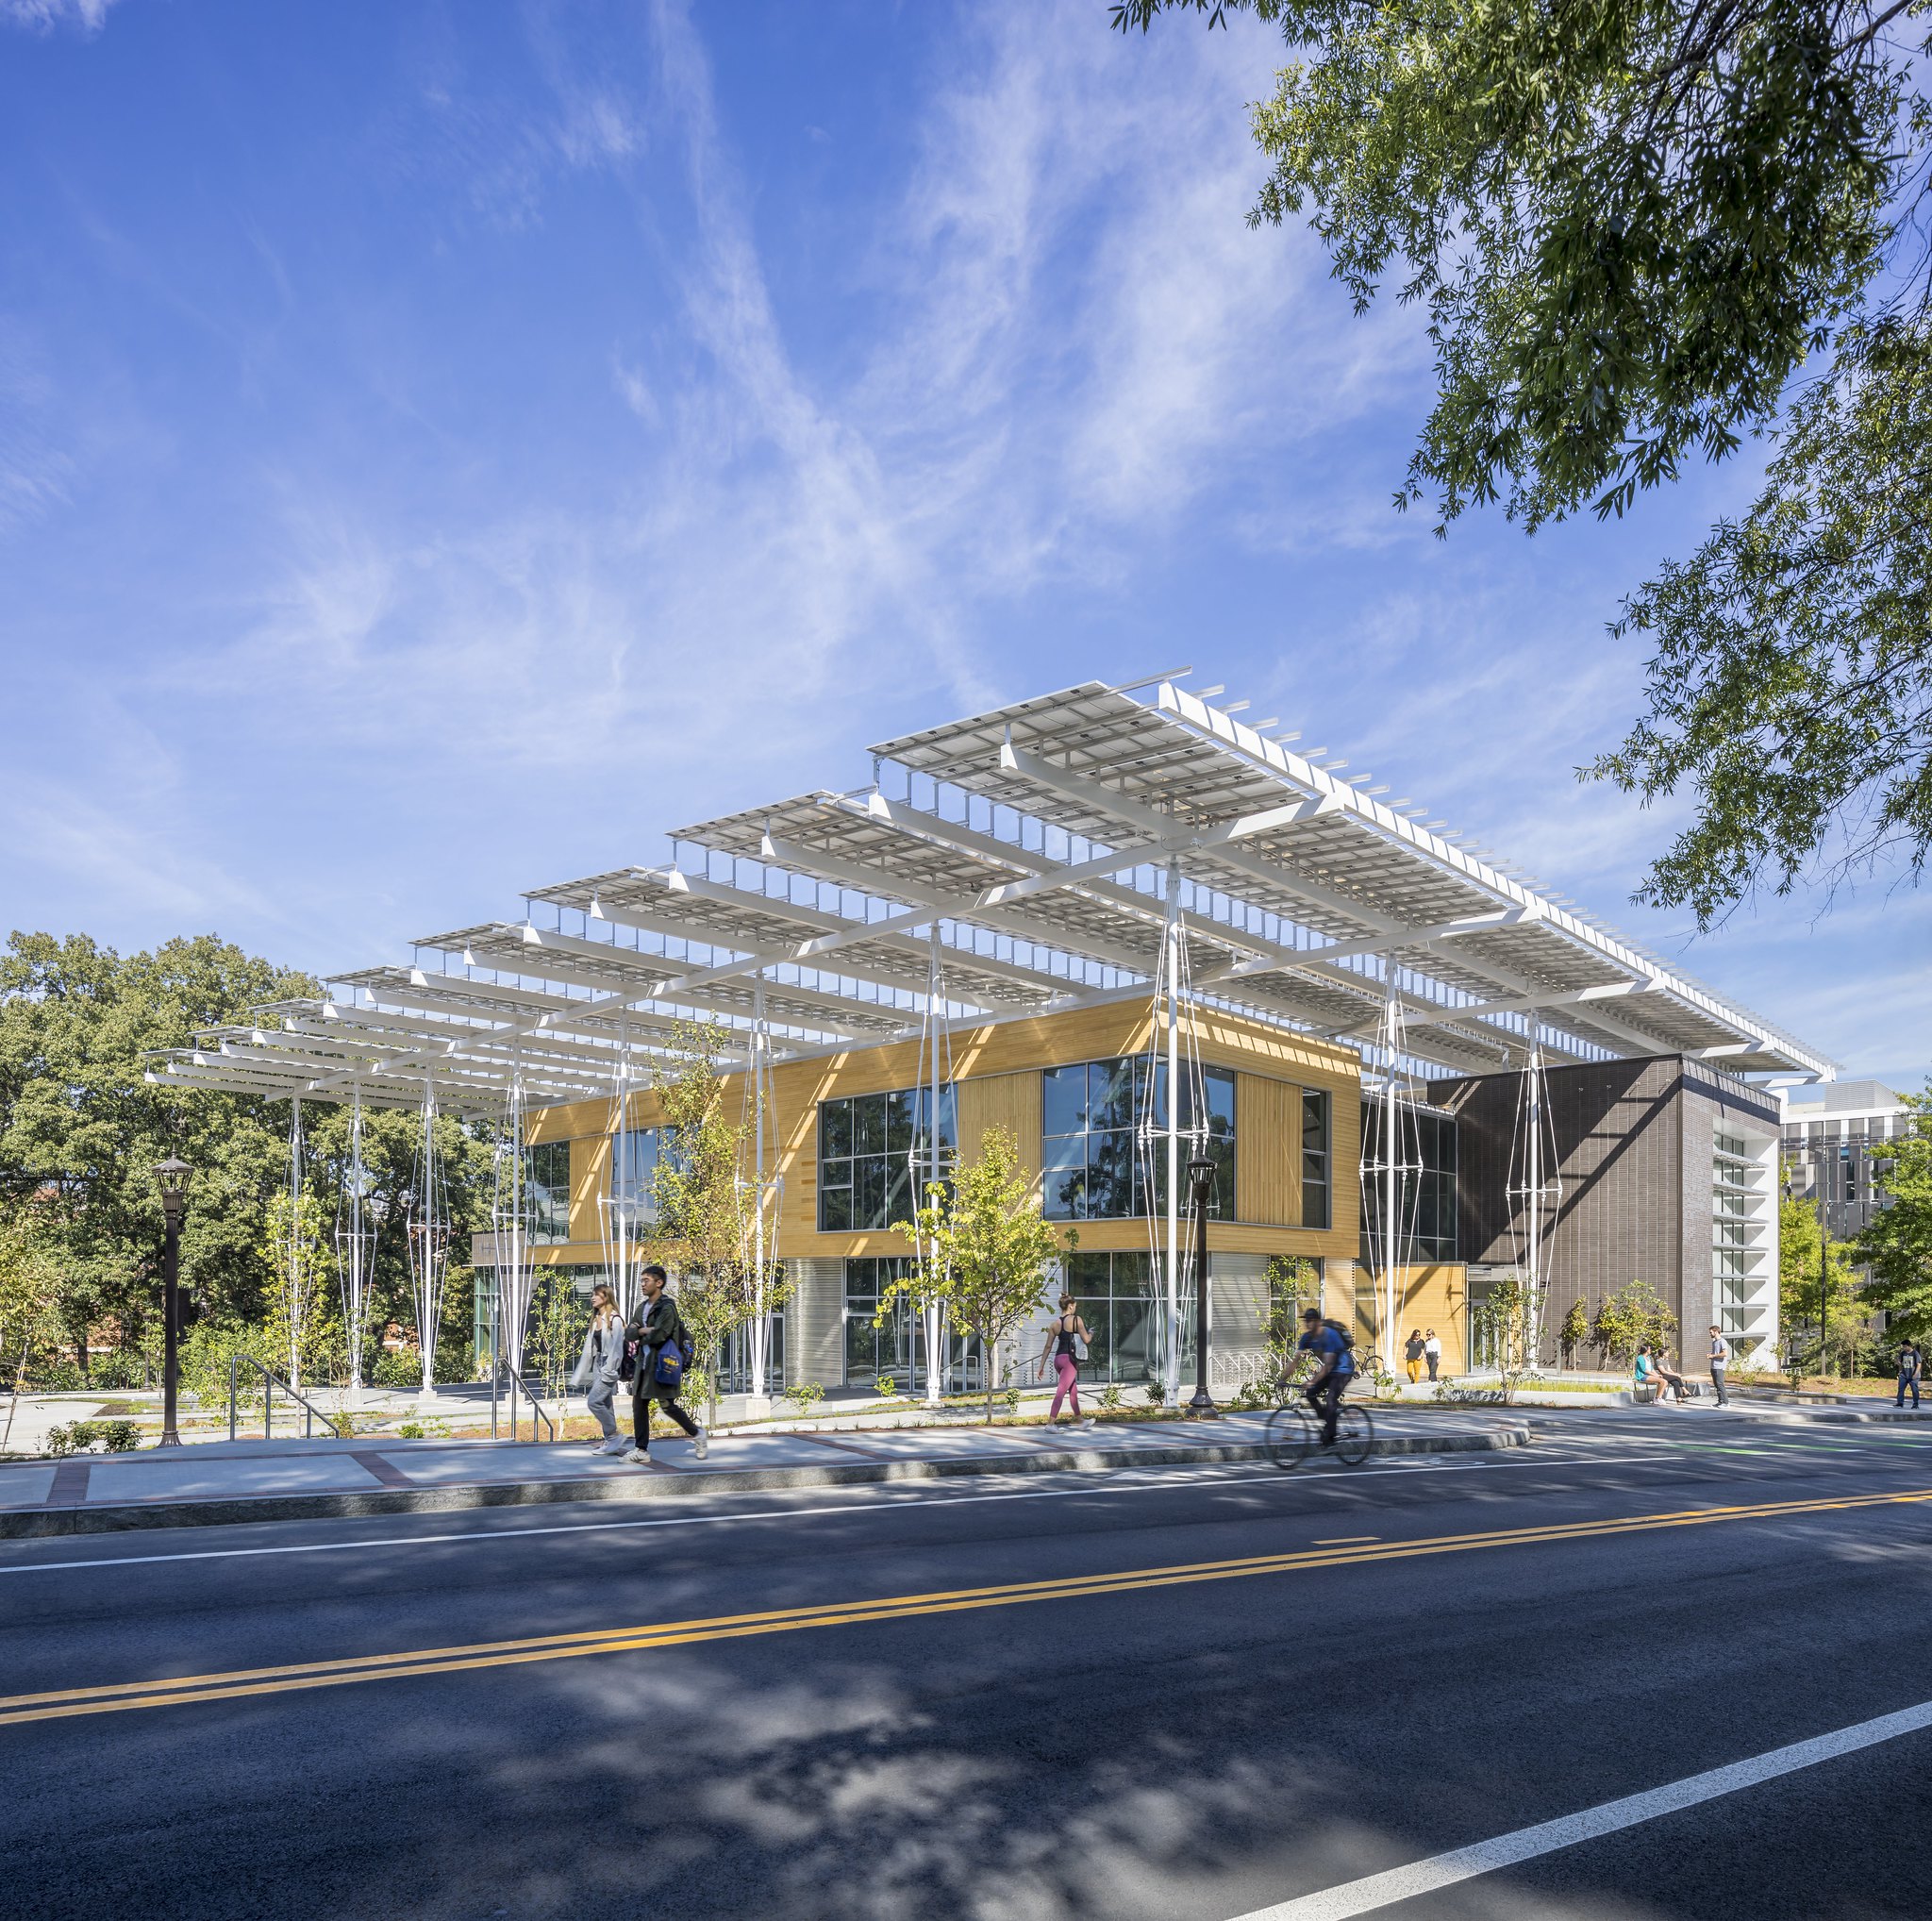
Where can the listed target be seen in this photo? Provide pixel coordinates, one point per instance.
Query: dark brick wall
(1633, 1144)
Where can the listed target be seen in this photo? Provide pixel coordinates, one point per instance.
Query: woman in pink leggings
(1066, 1325)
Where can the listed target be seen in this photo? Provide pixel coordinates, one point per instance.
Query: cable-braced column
(1170, 953)
(758, 1382)
(429, 1243)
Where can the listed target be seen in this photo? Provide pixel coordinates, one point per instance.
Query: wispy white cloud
(36, 470)
(1064, 372)
(141, 859)
(43, 16)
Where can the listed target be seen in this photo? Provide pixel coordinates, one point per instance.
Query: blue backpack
(674, 1358)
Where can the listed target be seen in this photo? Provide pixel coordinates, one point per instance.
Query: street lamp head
(171, 1176)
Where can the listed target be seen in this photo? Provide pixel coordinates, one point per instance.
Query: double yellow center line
(117, 1697)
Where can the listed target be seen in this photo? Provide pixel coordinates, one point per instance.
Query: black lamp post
(172, 1177)
(1202, 1173)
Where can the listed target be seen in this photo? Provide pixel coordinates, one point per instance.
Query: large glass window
(634, 1172)
(1425, 1184)
(547, 1170)
(1118, 1300)
(895, 1350)
(1103, 1122)
(1315, 1158)
(875, 1156)
(1122, 1298)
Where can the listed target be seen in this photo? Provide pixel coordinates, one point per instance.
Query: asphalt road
(1201, 1694)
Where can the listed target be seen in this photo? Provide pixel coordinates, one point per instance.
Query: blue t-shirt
(1324, 1342)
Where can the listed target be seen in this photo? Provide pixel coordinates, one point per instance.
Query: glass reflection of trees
(1096, 1164)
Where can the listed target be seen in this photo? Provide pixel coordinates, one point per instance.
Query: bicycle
(1294, 1432)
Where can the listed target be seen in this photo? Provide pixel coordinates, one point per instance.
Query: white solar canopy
(1025, 855)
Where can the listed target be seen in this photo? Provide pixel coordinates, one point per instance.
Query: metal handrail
(538, 1412)
(270, 1382)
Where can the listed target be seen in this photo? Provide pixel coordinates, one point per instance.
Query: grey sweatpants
(601, 1400)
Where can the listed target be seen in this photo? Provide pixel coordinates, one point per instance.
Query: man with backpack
(1333, 1347)
(658, 1350)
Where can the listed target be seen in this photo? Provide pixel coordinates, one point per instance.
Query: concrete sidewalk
(278, 1480)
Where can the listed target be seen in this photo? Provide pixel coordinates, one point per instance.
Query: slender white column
(358, 1280)
(295, 1303)
(429, 1248)
(1535, 1329)
(935, 1311)
(1171, 1356)
(758, 1382)
(1392, 1016)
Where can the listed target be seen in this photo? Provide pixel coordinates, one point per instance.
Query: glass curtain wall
(634, 1172)
(874, 1153)
(547, 1164)
(896, 1349)
(1095, 1167)
(559, 1311)
(1424, 1193)
(1122, 1298)
(1317, 1140)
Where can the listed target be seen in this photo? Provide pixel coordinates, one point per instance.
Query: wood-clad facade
(997, 1069)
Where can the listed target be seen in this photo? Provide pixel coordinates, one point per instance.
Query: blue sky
(443, 446)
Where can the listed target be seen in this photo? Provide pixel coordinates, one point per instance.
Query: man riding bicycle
(1335, 1364)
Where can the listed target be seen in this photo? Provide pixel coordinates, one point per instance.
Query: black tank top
(1065, 1344)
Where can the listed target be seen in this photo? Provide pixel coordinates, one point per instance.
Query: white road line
(1332, 1481)
(1463, 1863)
(476, 1535)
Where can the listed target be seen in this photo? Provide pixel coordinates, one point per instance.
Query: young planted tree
(1500, 1324)
(1625, 1320)
(1573, 1332)
(706, 1204)
(301, 1284)
(1826, 1313)
(558, 1319)
(1292, 1285)
(985, 1250)
(29, 1287)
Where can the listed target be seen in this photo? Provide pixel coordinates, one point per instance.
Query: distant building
(1842, 1141)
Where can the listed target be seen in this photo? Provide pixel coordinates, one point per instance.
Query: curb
(31, 1524)
(1815, 1416)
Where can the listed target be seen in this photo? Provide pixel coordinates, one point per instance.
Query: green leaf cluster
(1637, 1313)
(985, 1251)
(1845, 1343)
(81, 1127)
(706, 1205)
(1642, 232)
(1896, 1247)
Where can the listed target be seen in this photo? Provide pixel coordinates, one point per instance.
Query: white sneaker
(637, 1454)
(701, 1445)
(616, 1445)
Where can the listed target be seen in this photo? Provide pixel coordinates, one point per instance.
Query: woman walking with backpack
(597, 1368)
(658, 1349)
